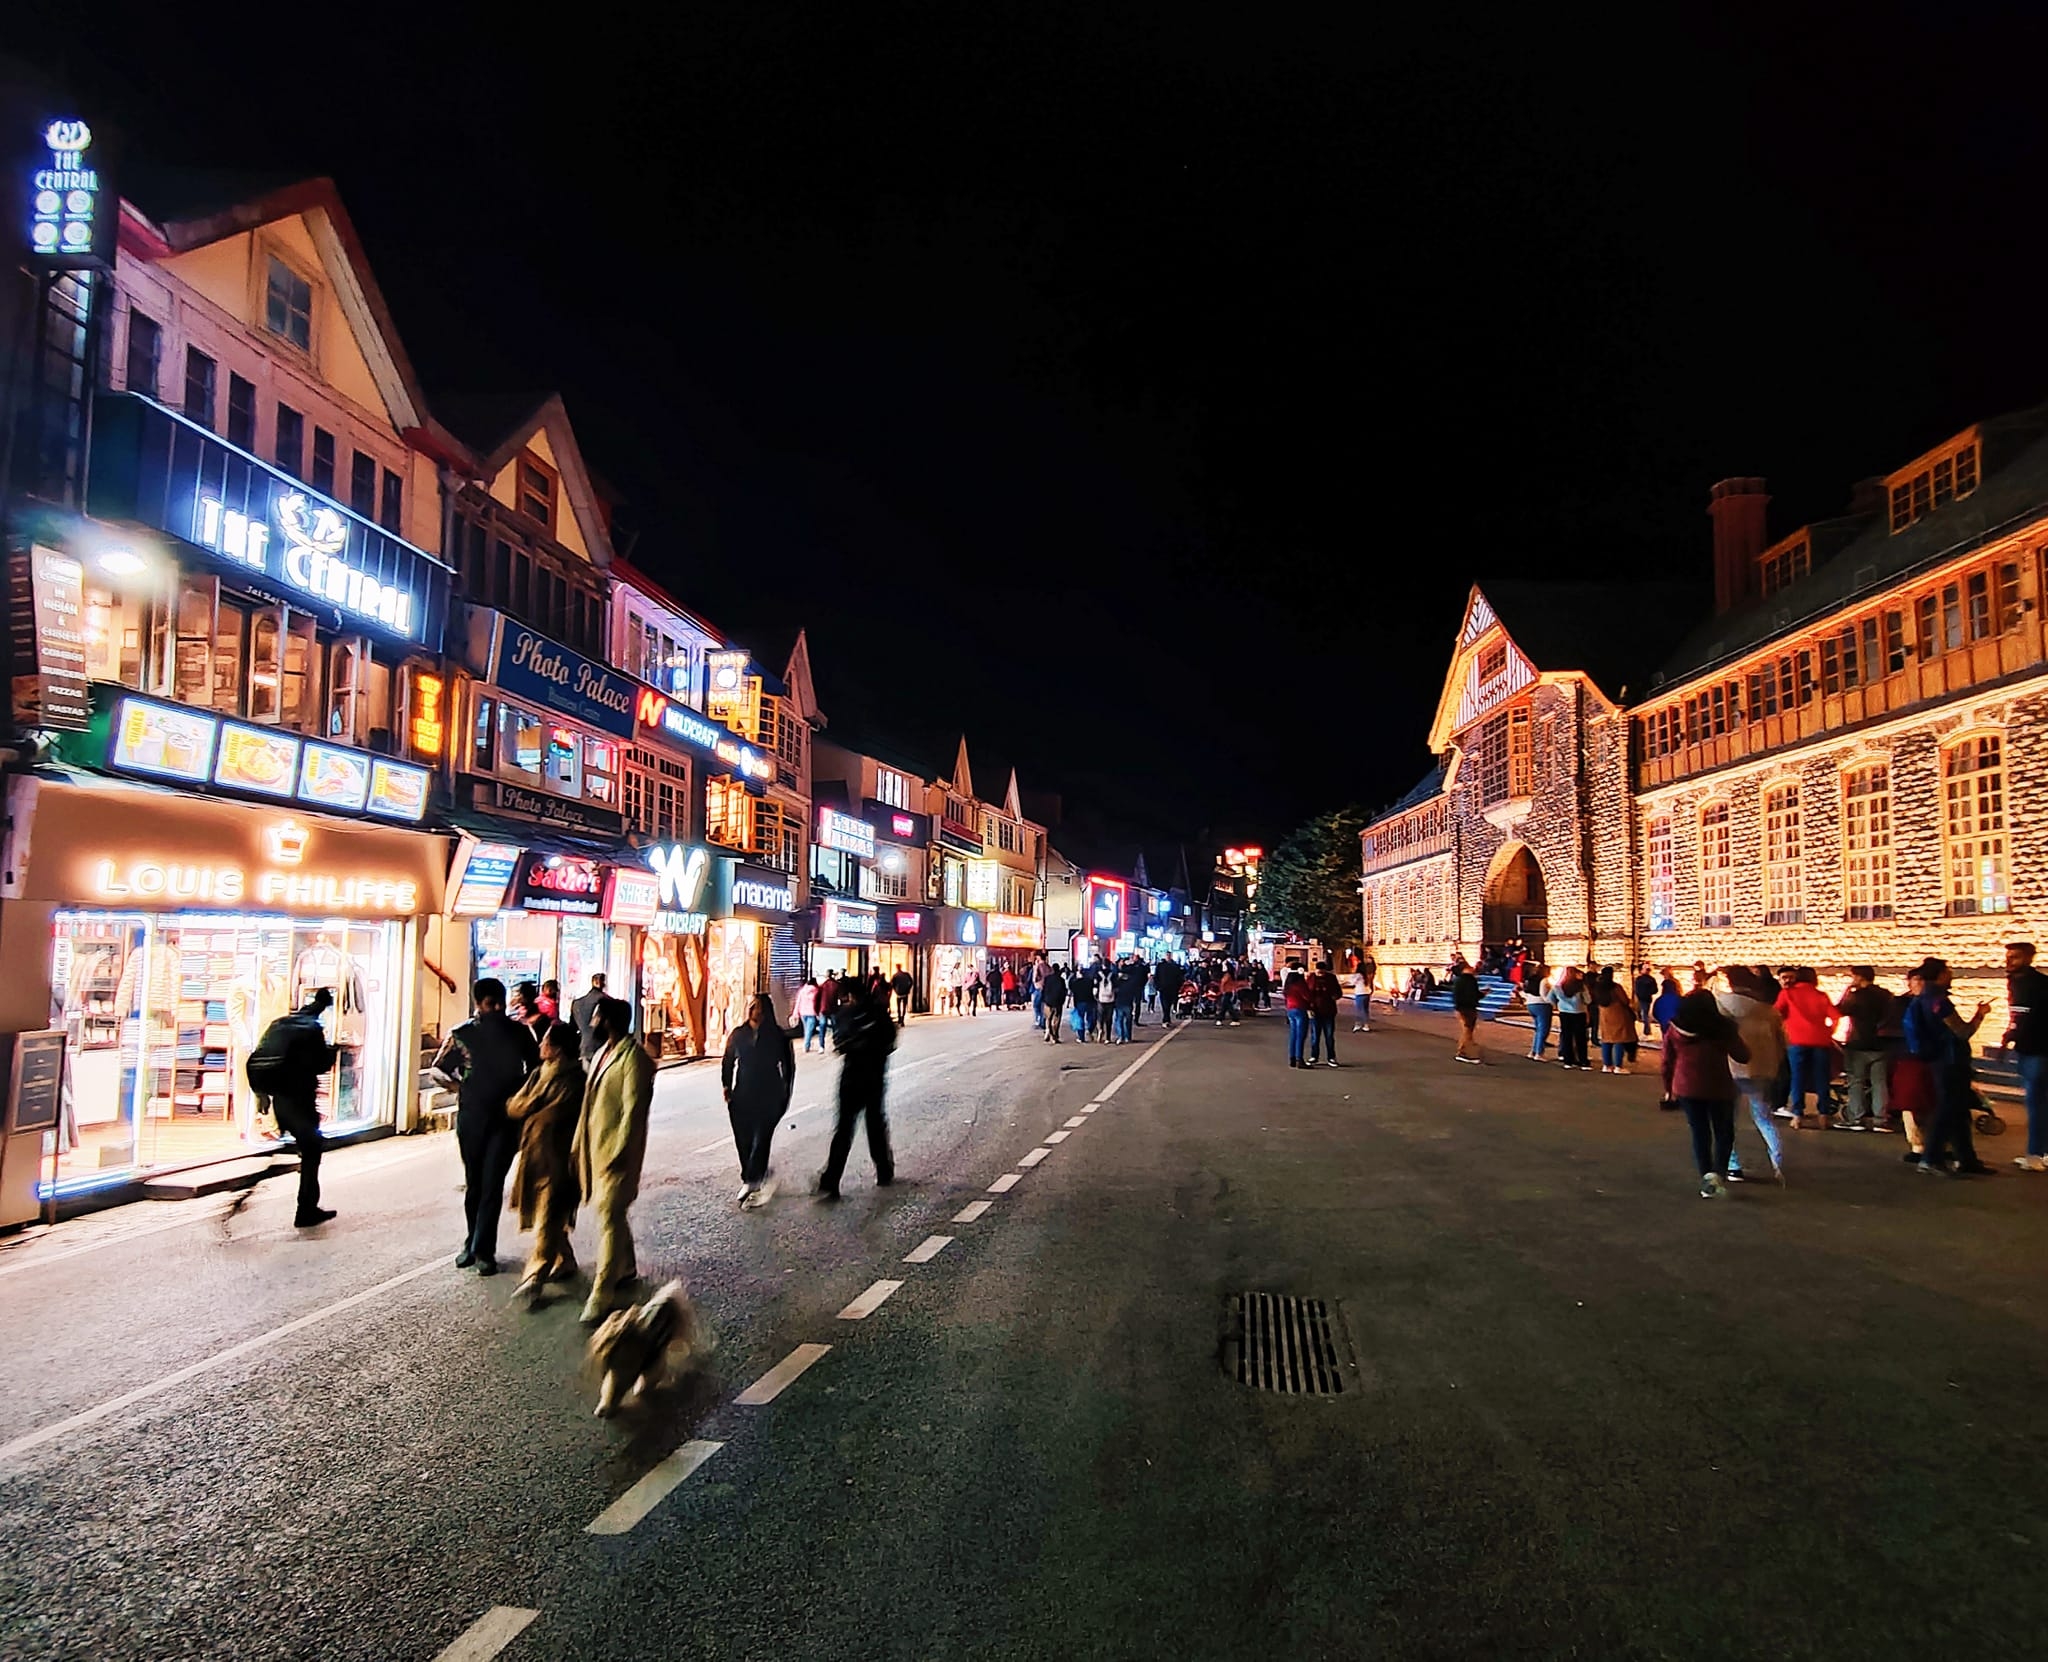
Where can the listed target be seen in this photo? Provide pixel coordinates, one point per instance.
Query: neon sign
(64, 213)
(1105, 906)
(315, 539)
(846, 834)
(179, 882)
(684, 724)
(849, 920)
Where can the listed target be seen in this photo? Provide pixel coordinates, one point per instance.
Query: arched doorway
(1516, 907)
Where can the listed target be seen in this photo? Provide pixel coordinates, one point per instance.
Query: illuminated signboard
(680, 875)
(895, 824)
(631, 897)
(848, 922)
(397, 791)
(903, 824)
(482, 877)
(910, 923)
(1008, 929)
(1105, 907)
(311, 553)
(984, 885)
(257, 759)
(283, 880)
(65, 204)
(333, 777)
(429, 721)
(725, 681)
(559, 883)
(846, 834)
(759, 892)
(681, 723)
(162, 739)
(526, 662)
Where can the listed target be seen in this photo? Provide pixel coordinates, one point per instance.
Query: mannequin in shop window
(326, 965)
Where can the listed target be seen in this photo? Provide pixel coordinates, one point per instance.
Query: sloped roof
(2013, 491)
(1429, 785)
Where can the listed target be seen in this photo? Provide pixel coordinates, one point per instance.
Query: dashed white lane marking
(780, 1377)
(1036, 1155)
(219, 1359)
(1089, 1109)
(652, 1489)
(869, 1302)
(1004, 1184)
(489, 1633)
(1078, 1119)
(972, 1210)
(1058, 1136)
(927, 1249)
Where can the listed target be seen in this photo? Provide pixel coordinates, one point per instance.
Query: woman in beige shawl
(546, 1191)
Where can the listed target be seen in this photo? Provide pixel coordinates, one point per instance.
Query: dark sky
(1142, 392)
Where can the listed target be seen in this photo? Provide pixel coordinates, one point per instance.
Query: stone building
(1828, 770)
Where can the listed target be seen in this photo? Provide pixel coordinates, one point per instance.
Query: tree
(1309, 883)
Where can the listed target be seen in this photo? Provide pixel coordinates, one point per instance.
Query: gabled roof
(633, 577)
(962, 777)
(1011, 805)
(1612, 631)
(2014, 491)
(1429, 785)
(798, 677)
(206, 218)
(551, 415)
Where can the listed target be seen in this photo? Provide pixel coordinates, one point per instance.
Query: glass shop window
(601, 771)
(564, 771)
(522, 741)
(480, 747)
(358, 696)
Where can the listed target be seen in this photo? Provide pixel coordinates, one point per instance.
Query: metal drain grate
(1287, 1345)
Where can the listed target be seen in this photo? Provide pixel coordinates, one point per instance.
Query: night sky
(1141, 394)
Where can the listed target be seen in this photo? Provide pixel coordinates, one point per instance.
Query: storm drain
(1287, 1345)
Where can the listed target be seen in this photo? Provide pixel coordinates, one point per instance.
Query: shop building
(887, 792)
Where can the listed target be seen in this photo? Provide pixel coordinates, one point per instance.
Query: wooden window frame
(1976, 840)
(1867, 866)
(546, 475)
(1784, 854)
(1717, 865)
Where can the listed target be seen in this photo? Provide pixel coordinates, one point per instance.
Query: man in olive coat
(611, 1144)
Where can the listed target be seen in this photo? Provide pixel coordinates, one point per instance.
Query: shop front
(674, 942)
(847, 932)
(162, 932)
(903, 941)
(959, 954)
(549, 920)
(1013, 942)
(753, 903)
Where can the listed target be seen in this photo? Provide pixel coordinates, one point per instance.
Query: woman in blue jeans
(1536, 1000)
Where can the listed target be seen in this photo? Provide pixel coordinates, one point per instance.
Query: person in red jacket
(1698, 1046)
(1810, 1035)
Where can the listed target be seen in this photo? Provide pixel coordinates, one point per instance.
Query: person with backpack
(866, 1037)
(487, 1058)
(1939, 1037)
(286, 1066)
(1105, 1003)
(1750, 1004)
(901, 986)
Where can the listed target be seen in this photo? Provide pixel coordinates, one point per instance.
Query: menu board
(160, 738)
(483, 878)
(47, 602)
(334, 778)
(398, 791)
(259, 759)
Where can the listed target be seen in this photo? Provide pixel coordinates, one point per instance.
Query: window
(1978, 591)
(1711, 712)
(1895, 649)
(145, 353)
(1493, 761)
(1784, 866)
(1493, 661)
(1518, 753)
(1973, 826)
(362, 484)
(288, 306)
(391, 511)
(1717, 867)
(1867, 843)
(2010, 607)
(728, 813)
(1663, 878)
(1929, 627)
(537, 491)
(289, 451)
(199, 386)
(1783, 566)
(522, 741)
(1916, 495)
(892, 787)
(789, 741)
(241, 412)
(1952, 617)
(323, 462)
(1763, 693)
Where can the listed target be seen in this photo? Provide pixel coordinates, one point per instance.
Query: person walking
(973, 987)
(545, 1190)
(1810, 1032)
(580, 1012)
(1105, 1004)
(1645, 990)
(1536, 1000)
(1941, 1038)
(2026, 1003)
(1228, 987)
(757, 1074)
(1749, 1005)
(1052, 993)
(1039, 965)
(992, 987)
(1323, 993)
(1465, 1004)
(287, 1065)
(1568, 997)
(1294, 998)
(1126, 988)
(828, 1004)
(902, 986)
(526, 1010)
(611, 1146)
(865, 1040)
(1867, 1006)
(486, 1058)
(1167, 977)
(1617, 1016)
(1700, 1048)
(805, 1009)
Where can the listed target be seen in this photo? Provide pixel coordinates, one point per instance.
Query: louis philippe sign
(46, 607)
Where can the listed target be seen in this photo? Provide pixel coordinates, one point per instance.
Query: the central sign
(1106, 898)
(309, 552)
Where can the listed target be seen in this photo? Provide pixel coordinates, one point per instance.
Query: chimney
(1869, 499)
(1736, 507)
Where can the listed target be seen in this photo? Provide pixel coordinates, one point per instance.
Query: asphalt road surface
(1584, 1413)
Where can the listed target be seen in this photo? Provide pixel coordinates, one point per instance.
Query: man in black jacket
(286, 1066)
(2026, 998)
(1465, 1000)
(487, 1058)
(902, 986)
(864, 1039)
(580, 1013)
(1167, 978)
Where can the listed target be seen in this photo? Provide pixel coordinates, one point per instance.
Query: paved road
(1590, 1414)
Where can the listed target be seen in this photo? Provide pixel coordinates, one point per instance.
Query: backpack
(1927, 1035)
